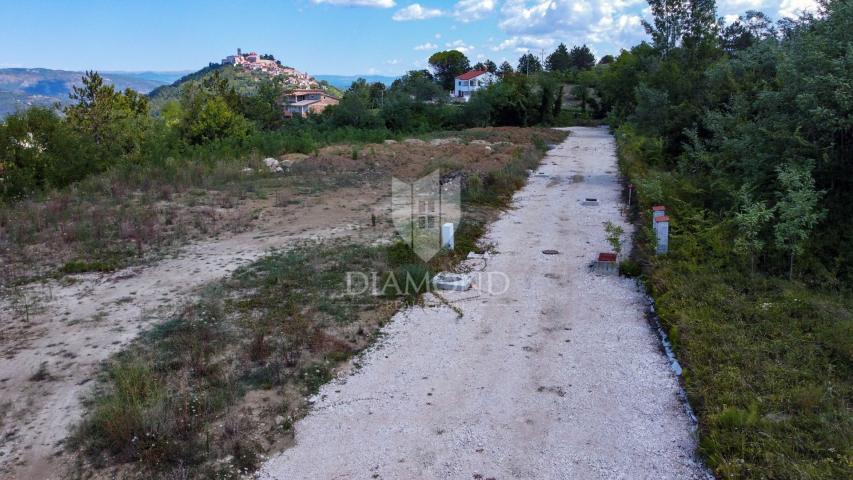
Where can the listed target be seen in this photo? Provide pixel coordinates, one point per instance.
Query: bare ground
(558, 377)
(76, 324)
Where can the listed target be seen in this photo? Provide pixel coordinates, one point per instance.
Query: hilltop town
(268, 64)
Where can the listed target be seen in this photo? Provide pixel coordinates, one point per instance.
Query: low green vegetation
(740, 132)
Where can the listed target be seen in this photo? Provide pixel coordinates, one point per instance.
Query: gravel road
(560, 376)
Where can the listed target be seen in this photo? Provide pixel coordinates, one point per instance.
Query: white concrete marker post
(662, 233)
(447, 236)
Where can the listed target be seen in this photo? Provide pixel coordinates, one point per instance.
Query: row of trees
(448, 64)
(41, 149)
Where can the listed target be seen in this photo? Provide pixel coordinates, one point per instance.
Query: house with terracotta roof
(469, 82)
(301, 102)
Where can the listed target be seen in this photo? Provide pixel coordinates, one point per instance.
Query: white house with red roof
(469, 82)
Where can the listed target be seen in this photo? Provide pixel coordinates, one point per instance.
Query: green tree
(419, 85)
(559, 60)
(681, 23)
(798, 211)
(38, 150)
(447, 65)
(748, 29)
(558, 102)
(751, 221)
(581, 58)
(263, 108)
(215, 120)
(505, 70)
(376, 94)
(115, 121)
(528, 63)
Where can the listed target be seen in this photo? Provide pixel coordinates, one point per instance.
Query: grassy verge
(207, 393)
(767, 362)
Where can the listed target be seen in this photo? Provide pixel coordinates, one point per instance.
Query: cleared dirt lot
(558, 377)
(76, 326)
(54, 346)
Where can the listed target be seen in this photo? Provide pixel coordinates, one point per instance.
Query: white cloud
(541, 24)
(459, 45)
(393, 61)
(524, 43)
(359, 3)
(426, 46)
(792, 8)
(471, 10)
(416, 12)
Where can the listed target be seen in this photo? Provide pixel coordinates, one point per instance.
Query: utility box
(662, 233)
(447, 236)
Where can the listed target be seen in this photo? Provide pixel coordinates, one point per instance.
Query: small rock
(272, 164)
(436, 142)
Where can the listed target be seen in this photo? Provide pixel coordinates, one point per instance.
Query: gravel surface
(560, 376)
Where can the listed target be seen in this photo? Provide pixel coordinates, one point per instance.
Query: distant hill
(26, 87)
(343, 82)
(154, 76)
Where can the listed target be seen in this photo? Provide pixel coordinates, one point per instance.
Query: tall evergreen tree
(528, 63)
(581, 58)
(505, 69)
(559, 60)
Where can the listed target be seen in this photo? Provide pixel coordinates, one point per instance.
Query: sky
(346, 37)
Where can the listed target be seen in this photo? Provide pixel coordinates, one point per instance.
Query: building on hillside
(301, 102)
(469, 82)
(253, 62)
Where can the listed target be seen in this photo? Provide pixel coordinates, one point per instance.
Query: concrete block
(452, 281)
(606, 264)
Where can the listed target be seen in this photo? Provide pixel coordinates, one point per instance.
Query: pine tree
(559, 60)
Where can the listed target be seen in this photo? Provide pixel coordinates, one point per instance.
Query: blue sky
(318, 36)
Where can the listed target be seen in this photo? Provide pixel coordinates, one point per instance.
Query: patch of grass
(82, 266)
(630, 268)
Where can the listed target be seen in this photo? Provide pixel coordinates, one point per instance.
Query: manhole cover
(550, 252)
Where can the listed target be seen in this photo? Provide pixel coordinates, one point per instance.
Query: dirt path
(559, 377)
(76, 326)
